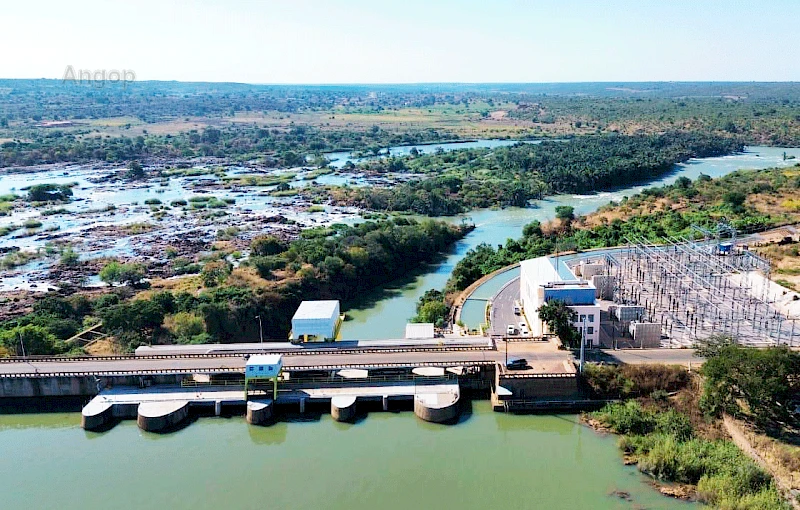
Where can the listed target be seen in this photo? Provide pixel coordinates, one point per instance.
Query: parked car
(511, 330)
(516, 363)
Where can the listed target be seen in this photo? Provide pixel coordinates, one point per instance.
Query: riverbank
(673, 431)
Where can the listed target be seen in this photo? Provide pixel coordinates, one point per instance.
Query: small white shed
(263, 366)
(419, 330)
(316, 320)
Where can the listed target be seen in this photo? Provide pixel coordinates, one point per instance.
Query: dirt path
(740, 439)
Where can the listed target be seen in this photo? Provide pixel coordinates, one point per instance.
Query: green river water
(385, 461)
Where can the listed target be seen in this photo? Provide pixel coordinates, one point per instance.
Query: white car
(511, 330)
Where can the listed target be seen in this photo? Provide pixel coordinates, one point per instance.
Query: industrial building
(541, 282)
(316, 321)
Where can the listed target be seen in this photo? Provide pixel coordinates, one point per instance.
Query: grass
(663, 445)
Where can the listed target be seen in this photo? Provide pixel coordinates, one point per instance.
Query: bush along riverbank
(219, 304)
(671, 428)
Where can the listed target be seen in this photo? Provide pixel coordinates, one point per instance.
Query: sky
(408, 41)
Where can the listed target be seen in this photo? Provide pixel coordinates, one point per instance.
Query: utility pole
(260, 329)
(583, 343)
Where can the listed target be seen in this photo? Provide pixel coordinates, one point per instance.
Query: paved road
(503, 308)
(533, 351)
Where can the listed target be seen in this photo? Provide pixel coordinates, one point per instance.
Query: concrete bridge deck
(532, 351)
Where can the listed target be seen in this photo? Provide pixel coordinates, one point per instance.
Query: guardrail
(223, 370)
(285, 352)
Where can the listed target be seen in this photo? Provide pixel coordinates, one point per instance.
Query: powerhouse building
(541, 282)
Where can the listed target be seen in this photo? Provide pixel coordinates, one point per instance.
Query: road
(534, 351)
(503, 308)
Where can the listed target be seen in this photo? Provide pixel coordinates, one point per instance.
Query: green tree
(30, 339)
(185, 326)
(135, 171)
(764, 380)
(69, 257)
(431, 308)
(560, 318)
(214, 272)
(565, 213)
(124, 274)
(262, 246)
(49, 193)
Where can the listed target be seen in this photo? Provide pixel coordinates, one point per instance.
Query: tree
(565, 213)
(49, 193)
(69, 257)
(740, 380)
(185, 326)
(135, 170)
(735, 199)
(431, 308)
(30, 339)
(262, 246)
(124, 274)
(532, 229)
(214, 272)
(560, 318)
(683, 182)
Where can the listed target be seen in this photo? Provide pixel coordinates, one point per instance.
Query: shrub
(49, 193)
(267, 245)
(69, 257)
(125, 274)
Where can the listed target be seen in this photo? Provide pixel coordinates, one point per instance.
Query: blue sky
(409, 41)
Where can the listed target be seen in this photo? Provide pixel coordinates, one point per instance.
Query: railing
(224, 370)
(254, 350)
(532, 405)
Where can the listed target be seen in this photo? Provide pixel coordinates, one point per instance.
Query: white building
(540, 282)
(316, 321)
(263, 366)
(420, 330)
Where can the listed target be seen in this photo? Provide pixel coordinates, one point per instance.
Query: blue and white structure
(541, 282)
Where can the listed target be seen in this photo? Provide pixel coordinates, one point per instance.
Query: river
(385, 313)
(385, 461)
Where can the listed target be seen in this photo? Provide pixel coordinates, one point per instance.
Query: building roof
(316, 310)
(264, 359)
(541, 269)
(419, 330)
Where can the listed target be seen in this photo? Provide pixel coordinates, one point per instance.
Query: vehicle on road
(511, 330)
(517, 310)
(517, 363)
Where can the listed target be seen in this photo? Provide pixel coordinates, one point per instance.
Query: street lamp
(22, 343)
(260, 329)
